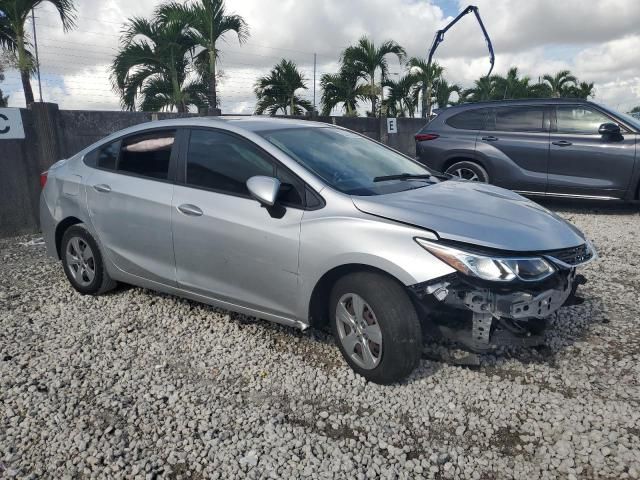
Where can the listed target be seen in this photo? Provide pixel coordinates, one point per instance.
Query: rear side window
(147, 154)
(107, 156)
(223, 162)
(468, 120)
(517, 119)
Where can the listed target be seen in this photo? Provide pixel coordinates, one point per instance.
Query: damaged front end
(510, 307)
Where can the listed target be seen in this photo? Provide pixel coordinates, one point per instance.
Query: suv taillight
(43, 179)
(421, 137)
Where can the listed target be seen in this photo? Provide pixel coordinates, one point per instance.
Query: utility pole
(35, 41)
(314, 85)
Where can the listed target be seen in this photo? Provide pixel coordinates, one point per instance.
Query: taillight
(421, 137)
(43, 179)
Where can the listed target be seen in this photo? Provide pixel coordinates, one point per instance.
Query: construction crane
(439, 38)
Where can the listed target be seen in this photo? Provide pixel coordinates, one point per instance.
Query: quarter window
(518, 119)
(469, 120)
(579, 120)
(147, 154)
(224, 162)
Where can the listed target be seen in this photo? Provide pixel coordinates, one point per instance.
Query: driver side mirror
(264, 189)
(609, 129)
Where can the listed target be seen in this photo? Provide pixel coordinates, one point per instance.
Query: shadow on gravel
(612, 207)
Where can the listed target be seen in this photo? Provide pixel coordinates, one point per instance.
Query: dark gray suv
(545, 147)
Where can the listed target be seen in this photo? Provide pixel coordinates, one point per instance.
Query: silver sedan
(310, 225)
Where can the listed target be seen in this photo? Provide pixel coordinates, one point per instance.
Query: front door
(129, 199)
(516, 142)
(228, 246)
(583, 162)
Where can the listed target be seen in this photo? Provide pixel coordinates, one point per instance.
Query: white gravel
(136, 384)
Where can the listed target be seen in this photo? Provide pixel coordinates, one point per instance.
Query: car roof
(515, 101)
(251, 123)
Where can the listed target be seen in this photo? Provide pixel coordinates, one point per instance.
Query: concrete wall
(53, 134)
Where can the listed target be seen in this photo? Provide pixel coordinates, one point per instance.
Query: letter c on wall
(7, 128)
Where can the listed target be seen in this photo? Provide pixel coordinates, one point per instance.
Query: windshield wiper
(402, 176)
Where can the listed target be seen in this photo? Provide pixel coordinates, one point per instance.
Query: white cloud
(598, 41)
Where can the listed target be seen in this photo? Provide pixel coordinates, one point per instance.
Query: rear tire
(83, 262)
(376, 326)
(468, 170)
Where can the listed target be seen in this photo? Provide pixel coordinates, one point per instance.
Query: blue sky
(600, 44)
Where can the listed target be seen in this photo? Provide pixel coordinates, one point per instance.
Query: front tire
(470, 171)
(376, 326)
(83, 262)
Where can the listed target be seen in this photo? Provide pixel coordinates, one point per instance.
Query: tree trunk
(292, 106)
(428, 101)
(424, 101)
(24, 65)
(213, 95)
(374, 97)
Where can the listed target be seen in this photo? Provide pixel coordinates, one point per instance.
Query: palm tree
(277, 90)
(4, 101)
(483, 89)
(365, 58)
(511, 86)
(15, 39)
(342, 88)
(153, 67)
(207, 21)
(400, 102)
(444, 91)
(425, 77)
(560, 82)
(582, 90)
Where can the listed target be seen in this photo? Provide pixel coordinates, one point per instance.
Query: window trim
(173, 160)
(275, 163)
(546, 118)
(588, 106)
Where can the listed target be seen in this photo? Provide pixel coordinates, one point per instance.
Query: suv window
(579, 119)
(517, 119)
(147, 154)
(468, 120)
(224, 162)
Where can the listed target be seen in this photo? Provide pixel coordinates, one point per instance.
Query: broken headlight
(497, 269)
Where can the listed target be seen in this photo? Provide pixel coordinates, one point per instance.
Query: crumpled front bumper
(483, 316)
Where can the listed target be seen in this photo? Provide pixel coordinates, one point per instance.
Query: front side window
(579, 120)
(224, 162)
(469, 120)
(347, 161)
(147, 154)
(518, 119)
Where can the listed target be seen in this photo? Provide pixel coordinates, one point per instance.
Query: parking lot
(136, 384)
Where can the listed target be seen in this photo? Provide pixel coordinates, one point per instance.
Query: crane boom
(439, 38)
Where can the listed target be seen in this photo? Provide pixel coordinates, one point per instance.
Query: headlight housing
(495, 269)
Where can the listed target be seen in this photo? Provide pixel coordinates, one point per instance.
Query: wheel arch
(62, 227)
(319, 300)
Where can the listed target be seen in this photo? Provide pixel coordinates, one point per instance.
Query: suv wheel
(82, 262)
(376, 326)
(468, 171)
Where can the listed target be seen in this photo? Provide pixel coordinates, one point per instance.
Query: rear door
(515, 146)
(129, 200)
(227, 245)
(583, 162)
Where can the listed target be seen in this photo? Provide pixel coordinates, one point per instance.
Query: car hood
(476, 214)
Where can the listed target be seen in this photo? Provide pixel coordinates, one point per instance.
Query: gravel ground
(135, 384)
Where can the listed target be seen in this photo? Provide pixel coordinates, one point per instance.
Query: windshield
(349, 162)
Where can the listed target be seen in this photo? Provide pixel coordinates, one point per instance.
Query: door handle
(562, 143)
(490, 138)
(101, 187)
(191, 210)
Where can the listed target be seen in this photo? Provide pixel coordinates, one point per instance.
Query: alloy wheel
(80, 261)
(359, 331)
(465, 174)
